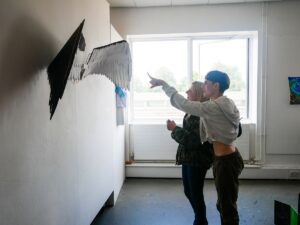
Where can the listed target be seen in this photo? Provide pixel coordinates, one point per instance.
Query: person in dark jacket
(221, 118)
(195, 157)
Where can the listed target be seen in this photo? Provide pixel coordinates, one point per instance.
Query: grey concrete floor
(162, 202)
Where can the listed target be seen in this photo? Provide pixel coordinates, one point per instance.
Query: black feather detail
(59, 69)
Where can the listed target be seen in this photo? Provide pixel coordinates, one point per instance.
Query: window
(166, 59)
(181, 59)
(230, 56)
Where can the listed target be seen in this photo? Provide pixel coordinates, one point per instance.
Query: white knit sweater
(219, 118)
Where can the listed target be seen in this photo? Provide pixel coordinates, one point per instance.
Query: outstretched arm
(178, 101)
(156, 82)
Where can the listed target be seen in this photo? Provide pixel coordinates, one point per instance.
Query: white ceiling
(151, 3)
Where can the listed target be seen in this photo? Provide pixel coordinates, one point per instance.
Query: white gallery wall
(60, 171)
(277, 23)
(119, 143)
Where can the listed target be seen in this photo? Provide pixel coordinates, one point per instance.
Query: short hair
(222, 78)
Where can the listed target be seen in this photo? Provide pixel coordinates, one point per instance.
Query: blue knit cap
(217, 76)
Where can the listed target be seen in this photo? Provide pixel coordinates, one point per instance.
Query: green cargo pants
(226, 170)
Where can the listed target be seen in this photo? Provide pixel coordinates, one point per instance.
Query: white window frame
(250, 123)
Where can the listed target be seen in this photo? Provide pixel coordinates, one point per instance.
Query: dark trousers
(226, 170)
(193, 181)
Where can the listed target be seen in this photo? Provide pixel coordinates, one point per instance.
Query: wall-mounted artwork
(121, 96)
(294, 84)
(59, 69)
(112, 60)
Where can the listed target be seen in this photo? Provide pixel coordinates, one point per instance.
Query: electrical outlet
(294, 174)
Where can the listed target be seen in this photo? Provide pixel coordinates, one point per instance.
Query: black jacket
(190, 150)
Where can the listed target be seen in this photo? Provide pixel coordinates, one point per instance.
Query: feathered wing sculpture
(112, 61)
(59, 69)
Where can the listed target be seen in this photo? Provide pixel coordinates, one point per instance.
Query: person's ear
(217, 86)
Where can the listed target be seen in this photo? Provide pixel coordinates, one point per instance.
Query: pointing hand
(155, 82)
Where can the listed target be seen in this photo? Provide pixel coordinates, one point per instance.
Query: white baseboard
(168, 170)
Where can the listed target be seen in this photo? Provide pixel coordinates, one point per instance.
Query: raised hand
(171, 125)
(155, 82)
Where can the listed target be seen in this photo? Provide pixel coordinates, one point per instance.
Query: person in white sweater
(219, 125)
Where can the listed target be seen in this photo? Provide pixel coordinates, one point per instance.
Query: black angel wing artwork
(59, 69)
(112, 60)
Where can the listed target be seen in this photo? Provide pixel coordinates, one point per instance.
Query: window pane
(230, 56)
(162, 59)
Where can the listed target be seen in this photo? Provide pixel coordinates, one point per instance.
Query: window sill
(251, 171)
